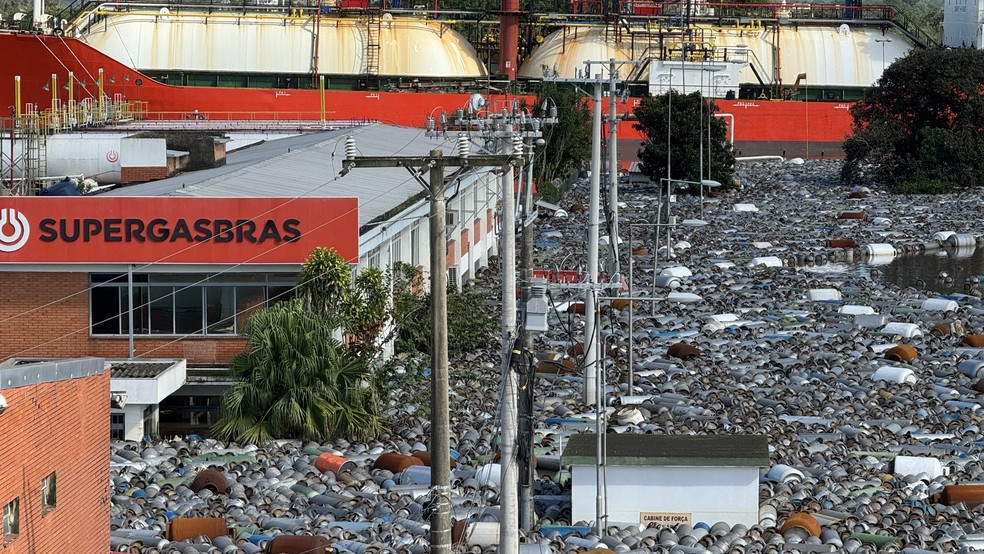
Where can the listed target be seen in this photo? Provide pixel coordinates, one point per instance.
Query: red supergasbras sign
(175, 230)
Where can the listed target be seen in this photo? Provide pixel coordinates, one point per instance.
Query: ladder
(34, 158)
(373, 28)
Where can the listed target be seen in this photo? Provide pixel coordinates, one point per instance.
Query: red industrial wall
(47, 315)
(62, 427)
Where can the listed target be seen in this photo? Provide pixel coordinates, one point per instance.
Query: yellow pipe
(17, 96)
(71, 89)
(54, 91)
(102, 95)
(321, 89)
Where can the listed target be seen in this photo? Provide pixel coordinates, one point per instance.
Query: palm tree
(296, 381)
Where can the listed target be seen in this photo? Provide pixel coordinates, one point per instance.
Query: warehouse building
(171, 270)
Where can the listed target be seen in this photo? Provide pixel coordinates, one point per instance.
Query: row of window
(182, 304)
(11, 511)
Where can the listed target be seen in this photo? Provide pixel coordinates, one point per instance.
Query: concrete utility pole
(590, 345)
(436, 187)
(614, 265)
(512, 125)
(509, 476)
(525, 411)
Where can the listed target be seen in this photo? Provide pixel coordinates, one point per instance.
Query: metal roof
(670, 450)
(307, 166)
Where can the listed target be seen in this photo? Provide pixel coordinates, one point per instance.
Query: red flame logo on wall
(112, 156)
(20, 230)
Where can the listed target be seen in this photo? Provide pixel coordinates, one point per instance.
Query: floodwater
(946, 271)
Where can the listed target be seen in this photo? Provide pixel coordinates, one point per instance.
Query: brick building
(54, 457)
(171, 270)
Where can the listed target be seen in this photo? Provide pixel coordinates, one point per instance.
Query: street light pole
(882, 41)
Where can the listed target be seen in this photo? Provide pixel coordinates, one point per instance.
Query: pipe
(509, 38)
(17, 99)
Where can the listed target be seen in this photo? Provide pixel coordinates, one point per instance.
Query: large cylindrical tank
(833, 55)
(279, 43)
(566, 51)
(97, 157)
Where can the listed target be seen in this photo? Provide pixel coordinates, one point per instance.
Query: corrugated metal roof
(670, 450)
(307, 167)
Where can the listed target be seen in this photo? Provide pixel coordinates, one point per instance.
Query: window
(396, 250)
(183, 304)
(117, 426)
(48, 495)
(415, 246)
(11, 520)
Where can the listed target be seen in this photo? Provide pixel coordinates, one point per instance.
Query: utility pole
(513, 125)
(614, 265)
(525, 411)
(436, 187)
(590, 345)
(509, 477)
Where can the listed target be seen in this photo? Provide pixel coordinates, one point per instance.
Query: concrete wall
(29, 310)
(709, 494)
(60, 426)
(133, 421)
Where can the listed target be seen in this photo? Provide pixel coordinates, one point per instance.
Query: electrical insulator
(464, 145)
(553, 111)
(350, 151)
(517, 143)
(430, 124)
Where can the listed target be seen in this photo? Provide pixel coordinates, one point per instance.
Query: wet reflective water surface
(946, 271)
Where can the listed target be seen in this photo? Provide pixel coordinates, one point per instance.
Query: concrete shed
(669, 479)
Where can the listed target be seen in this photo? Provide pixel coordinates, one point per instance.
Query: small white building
(137, 388)
(669, 479)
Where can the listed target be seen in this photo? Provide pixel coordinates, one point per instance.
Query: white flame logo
(21, 230)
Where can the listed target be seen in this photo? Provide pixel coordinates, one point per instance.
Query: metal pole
(321, 91)
(102, 95)
(591, 347)
(613, 266)
(599, 434)
(129, 308)
(440, 533)
(628, 389)
(509, 476)
(700, 133)
(17, 96)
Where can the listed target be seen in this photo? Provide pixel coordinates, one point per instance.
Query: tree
(469, 325)
(359, 307)
(689, 117)
(918, 129)
(568, 140)
(296, 381)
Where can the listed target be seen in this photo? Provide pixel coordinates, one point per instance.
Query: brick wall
(142, 174)
(61, 427)
(46, 315)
